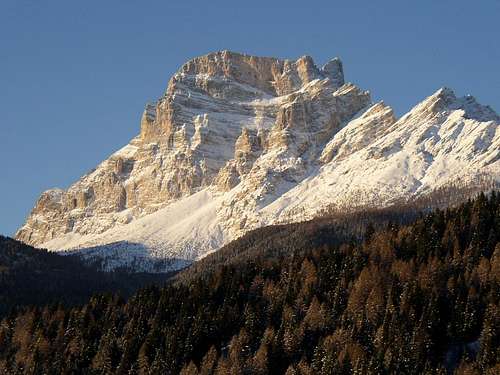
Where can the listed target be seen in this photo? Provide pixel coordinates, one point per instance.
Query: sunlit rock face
(216, 117)
(239, 141)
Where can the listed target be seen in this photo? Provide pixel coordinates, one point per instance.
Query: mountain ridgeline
(238, 142)
(307, 298)
(30, 276)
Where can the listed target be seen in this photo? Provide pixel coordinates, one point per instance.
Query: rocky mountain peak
(474, 110)
(240, 141)
(444, 101)
(437, 102)
(333, 69)
(273, 76)
(220, 114)
(245, 69)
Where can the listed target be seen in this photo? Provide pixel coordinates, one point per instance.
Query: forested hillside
(30, 276)
(422, 298)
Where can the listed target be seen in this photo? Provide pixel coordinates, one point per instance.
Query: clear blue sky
(75, 75)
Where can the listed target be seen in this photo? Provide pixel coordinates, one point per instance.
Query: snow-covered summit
(444, 100)
(240, 141)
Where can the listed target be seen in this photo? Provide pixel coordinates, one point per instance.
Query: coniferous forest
(313, 298)
(30, 276)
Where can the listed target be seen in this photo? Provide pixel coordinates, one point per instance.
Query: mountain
(238, 142)
(421, 298)
(30, 276)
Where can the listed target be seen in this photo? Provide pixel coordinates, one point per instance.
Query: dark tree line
(421, 298)
(30, 276)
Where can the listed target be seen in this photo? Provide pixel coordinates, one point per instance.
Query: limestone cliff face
(238, 142)
(304, 124)
(219, 114)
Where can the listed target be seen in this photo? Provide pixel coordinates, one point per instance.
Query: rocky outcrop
(372, 124)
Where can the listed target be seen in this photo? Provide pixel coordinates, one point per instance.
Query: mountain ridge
(240, 141)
